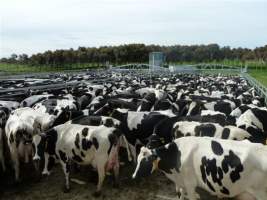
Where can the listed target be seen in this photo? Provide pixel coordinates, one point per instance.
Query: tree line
(138, 53)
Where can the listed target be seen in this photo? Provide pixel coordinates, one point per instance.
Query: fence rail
(260, 88)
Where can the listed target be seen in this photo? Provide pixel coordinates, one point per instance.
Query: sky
(32, 26)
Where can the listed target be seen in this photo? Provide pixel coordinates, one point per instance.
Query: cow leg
(125, 144)
(15, 160)
(133, 152)
(2, 152)
(3, 164)
(27, 152)
(46, 161)
(190, 188)
(101, 177)
(66, 170)
(2, 160)
(116, 169)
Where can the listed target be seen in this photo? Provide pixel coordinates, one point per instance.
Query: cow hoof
(66, 190)
(97, 194)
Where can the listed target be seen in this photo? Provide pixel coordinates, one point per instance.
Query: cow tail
(127, 148)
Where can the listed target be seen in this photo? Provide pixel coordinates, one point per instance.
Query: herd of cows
(200, 131)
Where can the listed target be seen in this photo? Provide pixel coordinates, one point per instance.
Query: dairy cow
(223, 168)
(44, 120)
(163, 132)
(255, 117)
(94, 145)
(19, 134)
(32, 100)
(138, 126)
(55, 106)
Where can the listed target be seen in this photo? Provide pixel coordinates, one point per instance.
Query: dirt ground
(155, 187)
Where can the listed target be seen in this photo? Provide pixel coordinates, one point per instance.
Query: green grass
(19, 68)
(260, 75)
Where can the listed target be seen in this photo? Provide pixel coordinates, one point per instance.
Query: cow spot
(109, 123)
(209, 168)
(205, 130)
(225, 133)
(225, 191)
(216, 148)
(62, 156)
(85, 132)
(75, 157)
(82, 154)
(77, 141)
(210, 186)
(86, 144)
(232, 162)
(95, 143)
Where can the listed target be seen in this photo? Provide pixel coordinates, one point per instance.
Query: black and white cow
(224, 168)
(55, 106)
(186, 128)
(32, 100)
(66, 115)
(164, 131)
(86, 145)
(106, 121)
(225, 106)
(19, 135)
(138, 126)
(34, 116)
(241, 109)
(95, 121)
(255, 117)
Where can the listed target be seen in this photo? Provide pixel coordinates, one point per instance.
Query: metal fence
(260, 88)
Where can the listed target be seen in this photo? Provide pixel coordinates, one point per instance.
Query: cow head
(147, 163)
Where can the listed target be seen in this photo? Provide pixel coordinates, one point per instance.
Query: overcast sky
(31, 26)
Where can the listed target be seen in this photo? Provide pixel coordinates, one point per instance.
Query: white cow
(224, 168)
(29, 114)
(19, 138)
(95, 145)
